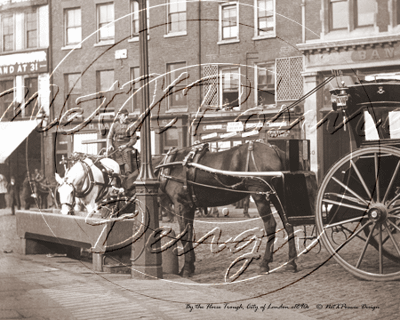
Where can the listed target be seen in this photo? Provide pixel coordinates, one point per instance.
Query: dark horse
(189, 187)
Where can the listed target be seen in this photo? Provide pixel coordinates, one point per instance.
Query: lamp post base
(146, 257)
(146, 272)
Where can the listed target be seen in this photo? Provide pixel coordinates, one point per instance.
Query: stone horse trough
(43, 232)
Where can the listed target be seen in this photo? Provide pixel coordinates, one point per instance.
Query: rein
(239, 174)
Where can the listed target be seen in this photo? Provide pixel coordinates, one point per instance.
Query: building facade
(24, 84)
(235, 60)
(359, 39)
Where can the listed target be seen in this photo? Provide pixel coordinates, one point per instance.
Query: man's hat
(123, 111)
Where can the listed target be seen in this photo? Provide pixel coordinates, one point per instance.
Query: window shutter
(210, 87)
(289, 82)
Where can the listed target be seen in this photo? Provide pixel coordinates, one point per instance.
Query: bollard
(170, 262)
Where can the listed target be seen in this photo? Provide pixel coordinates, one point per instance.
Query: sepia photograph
(199, 159)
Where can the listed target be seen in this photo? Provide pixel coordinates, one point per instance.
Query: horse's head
(66, 191)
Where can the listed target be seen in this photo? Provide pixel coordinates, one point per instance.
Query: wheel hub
(378, 212)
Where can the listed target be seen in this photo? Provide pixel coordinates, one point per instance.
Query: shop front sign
(24, 63)
(360, 55)
(8, 4)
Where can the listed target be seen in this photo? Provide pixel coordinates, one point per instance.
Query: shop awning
(12, 133)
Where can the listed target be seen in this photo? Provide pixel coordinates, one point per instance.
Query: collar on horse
(91, 183)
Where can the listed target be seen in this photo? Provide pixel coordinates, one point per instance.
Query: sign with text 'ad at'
(235, 127)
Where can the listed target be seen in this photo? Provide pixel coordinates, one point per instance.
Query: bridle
(71, 205)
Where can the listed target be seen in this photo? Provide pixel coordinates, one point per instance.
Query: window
(135, 28)
(105, 15)
(137, 98)
(31, 29)
(73, 89)
(365, 10)
(177, 99)
(170, 139)
(6, 100)
(339, 14)
(8, 32)
(264, 17)
(105, 82)
(73, 28)
(80, 146)
(229, 23)
(265, 79)
(31, 87)
(350, 14)
(177, 16)
(230, 87)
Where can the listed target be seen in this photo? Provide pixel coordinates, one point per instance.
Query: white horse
(84, 183)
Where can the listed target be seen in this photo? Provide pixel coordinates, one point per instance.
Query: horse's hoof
(291, 268)
(263, 270)
(186, 274)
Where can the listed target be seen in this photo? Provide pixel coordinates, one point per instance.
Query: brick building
(360, 38)
(246, 50)
(24, 84)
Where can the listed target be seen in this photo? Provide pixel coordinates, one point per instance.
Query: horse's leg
(291, 266)
(185, 215)
(265, 213)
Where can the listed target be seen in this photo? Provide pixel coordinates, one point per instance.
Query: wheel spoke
(380, 250)
(349, 190)
(344, 205)
(393, 200)
(391, 181)
(344, 222)
(365, 246)
(391, 238)
(338, 195)
(394, 225)
(393, 216)
(378, 197)
(353, 235)
(353, 164)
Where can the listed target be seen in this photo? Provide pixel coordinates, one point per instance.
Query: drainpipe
(303, 20)
(189, 140)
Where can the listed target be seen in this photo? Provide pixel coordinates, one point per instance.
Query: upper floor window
(265, 22)
(136, 98)
(177, 99)
(105, 17)
(31, 29)
(339, 14)
(229, 22)
(8, 32)
(365, 12)
(73, 88)
(176, 16)
(265, 79)
(230, 87)
(350, 14)
(105, 82)
(73, 28)
(135, 27)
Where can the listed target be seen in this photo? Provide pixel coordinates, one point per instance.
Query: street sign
(234, 127)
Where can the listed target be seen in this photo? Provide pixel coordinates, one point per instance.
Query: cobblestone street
(42, 287)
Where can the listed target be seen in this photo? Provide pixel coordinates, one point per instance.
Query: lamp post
(145, 265)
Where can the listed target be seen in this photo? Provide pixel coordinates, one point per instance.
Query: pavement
(57, 287)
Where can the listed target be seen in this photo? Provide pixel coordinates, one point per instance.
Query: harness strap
(191, 172)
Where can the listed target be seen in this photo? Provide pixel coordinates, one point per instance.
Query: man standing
(121, 138)
(13, 192)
